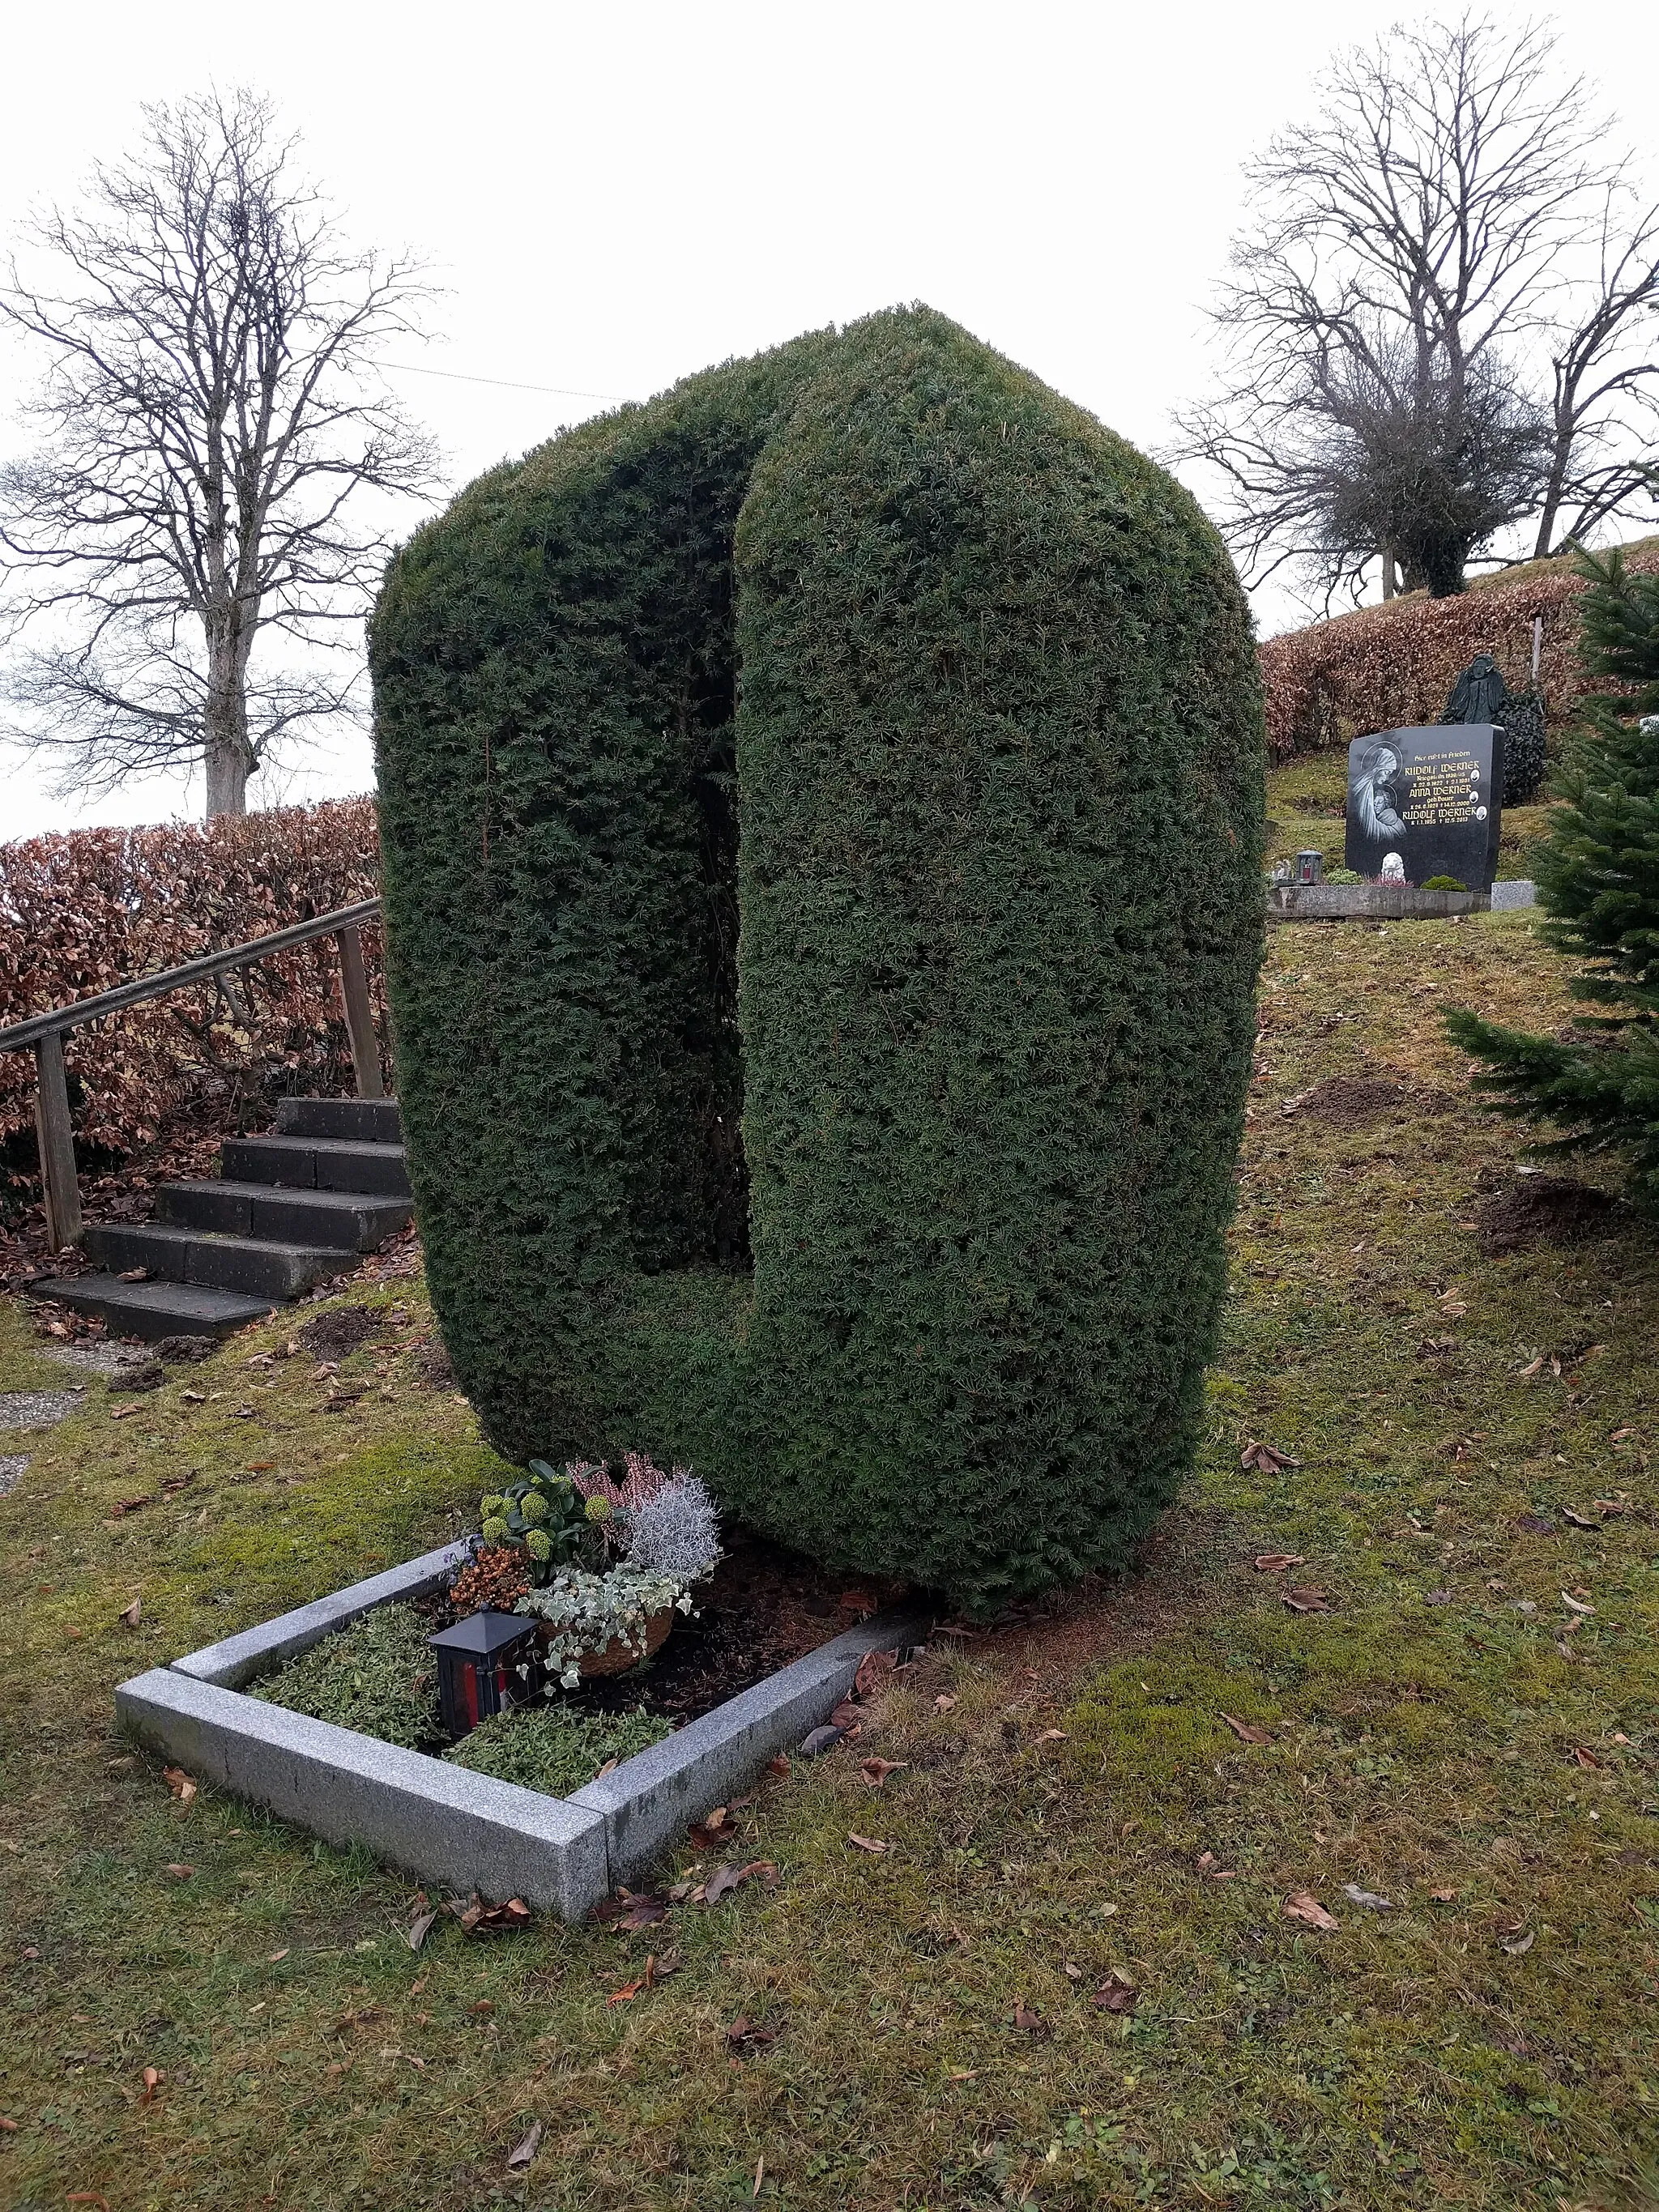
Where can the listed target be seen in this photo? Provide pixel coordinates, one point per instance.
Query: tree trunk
(226, 779)
(225, 747)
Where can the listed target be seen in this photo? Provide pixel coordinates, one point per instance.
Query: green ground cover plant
(544, 1747)
(1069, 1979)
(376, 1676)
(873, 693)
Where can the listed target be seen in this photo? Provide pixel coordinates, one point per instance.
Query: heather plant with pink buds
(641, 1480)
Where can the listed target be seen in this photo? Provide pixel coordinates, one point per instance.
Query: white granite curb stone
(652, 1798)
(258, 1652)
(1506, 898)
(442, 1822)
(422, 1814)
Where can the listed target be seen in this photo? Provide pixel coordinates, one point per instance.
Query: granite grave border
(443, 1823)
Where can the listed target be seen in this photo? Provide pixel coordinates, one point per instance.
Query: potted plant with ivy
(604, 1564)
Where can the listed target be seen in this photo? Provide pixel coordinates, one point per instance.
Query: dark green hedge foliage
(901, 1218)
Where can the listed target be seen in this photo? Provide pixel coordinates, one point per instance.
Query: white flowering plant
(587, 1612)
(678, 1530)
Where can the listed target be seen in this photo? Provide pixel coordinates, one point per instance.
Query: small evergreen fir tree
(1598, 882)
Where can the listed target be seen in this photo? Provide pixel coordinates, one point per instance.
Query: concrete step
(344, 1220)
(155, 1310)
(317, 1164)
(259, 1267)
(370, 1121)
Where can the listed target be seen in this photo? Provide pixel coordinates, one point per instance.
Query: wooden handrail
(46, 1032)
(202, 970)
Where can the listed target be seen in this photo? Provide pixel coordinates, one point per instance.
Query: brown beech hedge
(81, 912)
(1392, 666)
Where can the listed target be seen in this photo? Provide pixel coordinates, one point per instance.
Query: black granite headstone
(1425, 803)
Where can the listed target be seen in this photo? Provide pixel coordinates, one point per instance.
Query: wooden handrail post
(55, 1134)
(360, 1015)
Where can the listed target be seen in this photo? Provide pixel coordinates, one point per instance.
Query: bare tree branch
(1439, 321)
(211, 418)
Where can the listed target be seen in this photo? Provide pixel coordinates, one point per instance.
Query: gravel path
(14, 1466)
(102, 1358)
(38, 1409)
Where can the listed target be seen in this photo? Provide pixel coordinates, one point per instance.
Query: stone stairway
(287, 1210)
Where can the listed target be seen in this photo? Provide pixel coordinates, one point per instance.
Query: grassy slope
(1406, 2060)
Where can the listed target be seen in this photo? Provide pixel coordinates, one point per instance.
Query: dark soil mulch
(763, 1607)
(1551, 1209)
(335, 1335)
(1349, 1102)
(433, 1364)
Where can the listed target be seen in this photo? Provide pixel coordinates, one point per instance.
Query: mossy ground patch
(1445, 1737)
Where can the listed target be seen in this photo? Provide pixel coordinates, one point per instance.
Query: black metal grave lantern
(478, 1662)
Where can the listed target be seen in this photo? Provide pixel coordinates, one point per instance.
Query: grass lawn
(1455, 1734)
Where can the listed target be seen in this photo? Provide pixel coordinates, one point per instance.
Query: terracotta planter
(618, 1656)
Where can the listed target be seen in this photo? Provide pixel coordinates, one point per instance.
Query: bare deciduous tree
(1445, 284)
(213, 421)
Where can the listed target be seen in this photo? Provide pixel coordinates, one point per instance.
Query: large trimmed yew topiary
(821, 813)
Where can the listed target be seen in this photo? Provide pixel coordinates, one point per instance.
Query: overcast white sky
(617, 194)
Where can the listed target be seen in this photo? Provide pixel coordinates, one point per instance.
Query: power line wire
(509, 384)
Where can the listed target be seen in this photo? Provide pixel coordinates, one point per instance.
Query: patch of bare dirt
(1192, 1565)
(433, 1363)
(1351, 1101)
(334, 1335)
(1547, 1209)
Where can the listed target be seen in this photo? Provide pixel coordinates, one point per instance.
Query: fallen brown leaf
(871, 1843)
(1582, 1758)
(1274, 1562)
(180, 1782)
(1116, 1994)
(945, 1703)
(1306, 1600)
(846, 1717)
(152, 2078)
(1305, 1906)
(746, 2037)
(271, 1957)
(527, 2146)
(717, 1829)
(876, 1770)
(419, 1928)
(1267, 1457)
(1031, 2022)
(780, 1764)
(1248, 1731)
(121, 1414)
(478, 1918)
(874, 1668)
(1443, 1896)
(133, 1613)
(860, 1603)
(179, 1873)
(1050, 1736)
(1207, 1864)
(1518, 1946)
